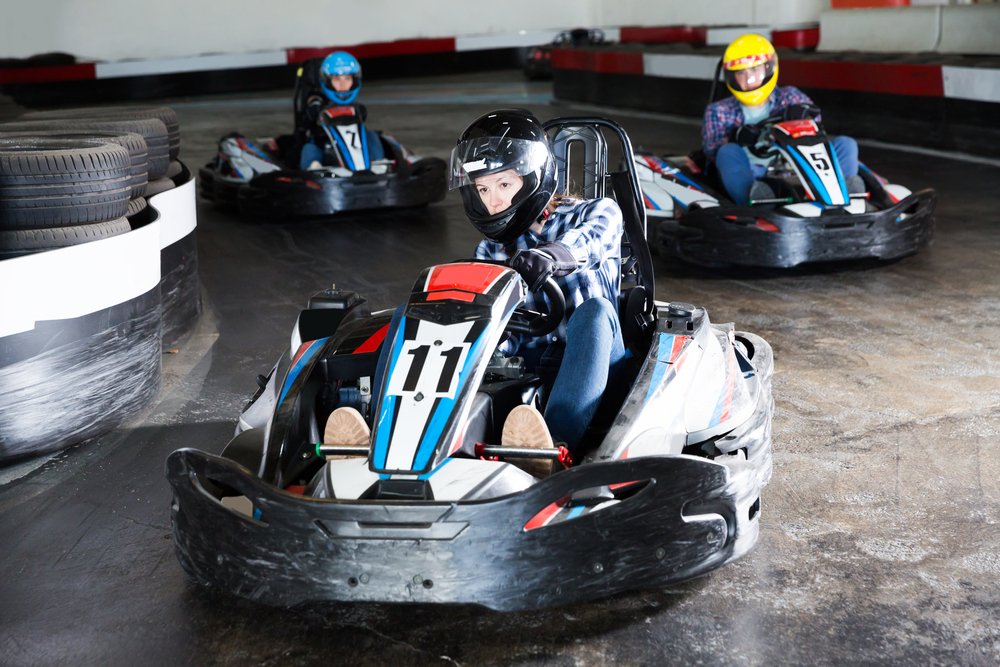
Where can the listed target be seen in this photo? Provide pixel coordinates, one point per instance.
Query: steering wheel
(534, 324)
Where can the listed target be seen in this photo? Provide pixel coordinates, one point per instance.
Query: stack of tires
(80, 348)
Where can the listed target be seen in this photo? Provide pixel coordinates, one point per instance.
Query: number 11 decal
(432, 370)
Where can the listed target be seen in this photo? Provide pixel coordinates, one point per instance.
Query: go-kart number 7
(431, 370)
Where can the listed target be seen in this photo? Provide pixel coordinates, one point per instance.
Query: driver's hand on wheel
(744, 135)
(800, 112)
(539, 264)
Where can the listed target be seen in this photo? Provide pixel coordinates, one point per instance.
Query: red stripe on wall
(897, 79)
(805, 38)
(402, 47)
(597, 61)
(45, 74)
(670, 33)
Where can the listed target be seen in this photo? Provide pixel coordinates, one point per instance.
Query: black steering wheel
(534, 324)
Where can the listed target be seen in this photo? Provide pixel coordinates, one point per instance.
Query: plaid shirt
(592, 230)
(722, 116)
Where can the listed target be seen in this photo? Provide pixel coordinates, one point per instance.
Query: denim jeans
(589, 369)
(312, 153)
(738, 175)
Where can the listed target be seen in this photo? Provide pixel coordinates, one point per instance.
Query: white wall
(125, 29)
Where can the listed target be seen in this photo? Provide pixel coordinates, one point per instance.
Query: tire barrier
(164, 114)
(153, 131)
(100, 277)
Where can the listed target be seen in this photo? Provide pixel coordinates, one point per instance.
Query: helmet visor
(491, 155)
(750, 73)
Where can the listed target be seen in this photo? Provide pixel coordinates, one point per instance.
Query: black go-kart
(433, 510)
(264, 178)
(812, 218)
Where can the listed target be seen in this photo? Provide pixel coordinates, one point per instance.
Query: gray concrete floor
(879, 534)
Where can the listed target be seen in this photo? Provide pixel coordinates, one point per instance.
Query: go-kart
(812, 217)
(434, 511)
(265, 179)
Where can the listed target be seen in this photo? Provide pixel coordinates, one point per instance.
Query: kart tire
(158, 186)
(174, 169)
(152, 130)
(55, 182)
(134, 143)
(29, 241)
(162, 113)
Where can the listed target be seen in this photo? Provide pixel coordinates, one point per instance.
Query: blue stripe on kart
(384, 423)
(445, 408)
(297, 367)
(364, 146)
(664, 345)
(810, 174)
(344, 152)
(840, 175)
(575, 512)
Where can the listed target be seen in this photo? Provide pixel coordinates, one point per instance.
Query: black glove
(800, 112)
(744, 135)
(314, 105)
(539, 264)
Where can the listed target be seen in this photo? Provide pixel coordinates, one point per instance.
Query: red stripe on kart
(598, 61)
(452, 295)
(471, 277)
(303, 348)
(401, 47)
(675, 350)
(546, 514)
(893, 78)
(373, 341)
(44, 74)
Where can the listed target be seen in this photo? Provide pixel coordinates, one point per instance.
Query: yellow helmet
(748, 52)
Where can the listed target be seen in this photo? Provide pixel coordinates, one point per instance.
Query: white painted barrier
(973, 29)
(880, 29)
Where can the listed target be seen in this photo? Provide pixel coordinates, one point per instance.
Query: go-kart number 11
(430, 370)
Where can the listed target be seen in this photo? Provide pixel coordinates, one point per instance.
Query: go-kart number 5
(819, 161)
(430, 370)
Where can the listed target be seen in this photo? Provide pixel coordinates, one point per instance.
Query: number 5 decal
(432, 370)
(819, 161)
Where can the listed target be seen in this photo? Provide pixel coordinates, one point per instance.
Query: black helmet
(500, 141)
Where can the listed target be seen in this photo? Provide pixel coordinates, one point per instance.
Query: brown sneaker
(346, 428)
(525, 427)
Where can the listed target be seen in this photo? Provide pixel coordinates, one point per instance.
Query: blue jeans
(312, 153)
(738, 175)
(589, 369)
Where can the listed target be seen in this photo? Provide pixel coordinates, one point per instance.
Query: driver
(750, 65)
(504, 168)
(340, 81)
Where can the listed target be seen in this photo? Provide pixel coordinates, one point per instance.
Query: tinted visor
(752, 77)
(490, 155)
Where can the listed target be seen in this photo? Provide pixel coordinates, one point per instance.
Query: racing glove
(539, 264)
(744, 135)
(800, 111)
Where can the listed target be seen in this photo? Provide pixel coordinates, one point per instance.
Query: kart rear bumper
(694, 516)
(706, 237)
(304, 193)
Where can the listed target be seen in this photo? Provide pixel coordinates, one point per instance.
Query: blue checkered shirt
(722, 116)
(592, 230)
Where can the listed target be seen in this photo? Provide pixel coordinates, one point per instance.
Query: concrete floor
(879, 535)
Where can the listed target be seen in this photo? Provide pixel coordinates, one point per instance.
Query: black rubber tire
(175, 168)
(135, 207)
(152, 130)
(165, 114)
(158, 186)
(30, 241)
(130, 141)
(54, 182)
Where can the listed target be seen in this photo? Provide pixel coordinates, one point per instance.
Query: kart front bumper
(303, 193)
(731, 235)
(693, 516)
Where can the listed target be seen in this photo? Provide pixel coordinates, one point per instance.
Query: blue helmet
(336, 64)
